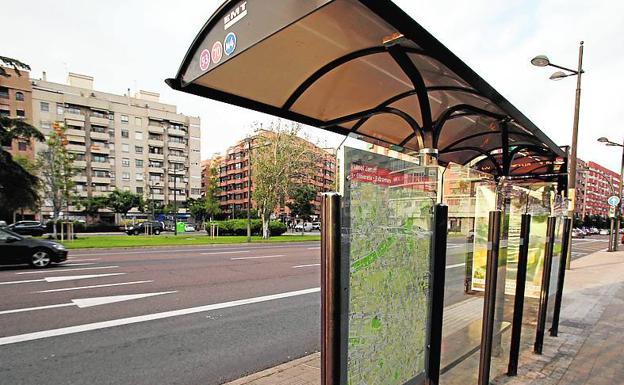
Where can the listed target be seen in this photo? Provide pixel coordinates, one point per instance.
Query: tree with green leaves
(121, 202)
(203, 208)
(56, 166)
(91, 207)
(19, 188)
(281, 160)
(300, 203)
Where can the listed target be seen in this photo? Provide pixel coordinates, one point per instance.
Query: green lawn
(105, 242)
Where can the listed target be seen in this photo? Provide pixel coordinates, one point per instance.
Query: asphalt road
(183, 315)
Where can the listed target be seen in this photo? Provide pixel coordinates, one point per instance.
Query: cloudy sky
(136, 44)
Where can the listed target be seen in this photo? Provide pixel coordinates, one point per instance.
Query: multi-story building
(598, 185)
(232, 173)
(16, 102)
(135, 144)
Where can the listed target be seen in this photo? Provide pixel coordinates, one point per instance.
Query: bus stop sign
(613, 201)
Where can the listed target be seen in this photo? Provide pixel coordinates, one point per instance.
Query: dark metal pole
(612, 235)
(543, 304)
(619, 206)
(249, 190)
(175, 204)
(489, 304)
(331, 295)
(437, 294)
(516, 330)
(567, 228)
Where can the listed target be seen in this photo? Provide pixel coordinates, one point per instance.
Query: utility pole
(249, 141)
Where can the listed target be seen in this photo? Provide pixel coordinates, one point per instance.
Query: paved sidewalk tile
(588, 351)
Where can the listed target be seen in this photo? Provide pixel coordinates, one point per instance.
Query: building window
(45, 125)
(4, 112)
(125, 175)
(139, 177)
(73, 109)
(124, 119)
(125, 134)
(22, 146)
(195, 191)
(19, 96)
(138, 163)
(111, 116)
(125, 162)
(138, 149)
(139, 190)
(4, 93)
(59, 109)
(138, 122)
(20, 113)
(100, 159)
(125, 147)
(138, 135)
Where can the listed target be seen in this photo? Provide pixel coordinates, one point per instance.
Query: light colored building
(135, 144)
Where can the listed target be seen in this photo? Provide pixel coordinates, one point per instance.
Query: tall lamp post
(618, 214)
(249, 189)
(543, 61)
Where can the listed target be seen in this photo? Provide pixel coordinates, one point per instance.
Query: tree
(92, 206)
(57, 169)
(203, 208)
(281, 159)
(301, 200)
(19, 188)
(121, 202)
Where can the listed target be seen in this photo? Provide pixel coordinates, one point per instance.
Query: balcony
(100, 180)
(156, 170)
(156, 156)
(101, 166)
(157, 197)
(75, 117)
(156, 129)
(179, 198)
(80, 178)
(179, 159)
(80, 164)
(155, 143)
(176, 145)
(101, 193)
(76, 148)
(100, 135)
(104, 122)
(100, 150)
(72, 132)
(175, 132)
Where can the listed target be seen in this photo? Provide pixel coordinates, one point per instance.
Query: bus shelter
(365, 69)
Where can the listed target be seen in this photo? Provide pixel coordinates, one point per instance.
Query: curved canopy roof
(359, 67)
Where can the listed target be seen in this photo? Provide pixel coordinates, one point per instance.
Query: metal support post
(489, 305)
(434, 344)
(565, 245)
(516, 331)
(331, 295)
(543, 304)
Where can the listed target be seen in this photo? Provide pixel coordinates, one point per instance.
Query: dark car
(17, 249)
(144, 228)
(34, 228)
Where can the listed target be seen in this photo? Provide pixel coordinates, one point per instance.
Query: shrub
(239, 227)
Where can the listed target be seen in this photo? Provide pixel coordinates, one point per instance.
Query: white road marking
(186, 250)
(314, 248)
(225, 252)
(58, 270)
(93, 286)
(88, 302)
(76, 264)
(454, 266)
(302, 266)
(149, 317)
(62, 278)
(263, 257)
(84, 260)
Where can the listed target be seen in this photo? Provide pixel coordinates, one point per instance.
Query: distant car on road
(604, 232)
(316, 226)
(34, 228)
(303, 227)
(189, 228)
(578, 233)
(143, 228)
(17, 249)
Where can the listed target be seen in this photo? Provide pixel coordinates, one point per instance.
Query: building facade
(232, 173)
(599, 183)
(135, 144)
(16, 102)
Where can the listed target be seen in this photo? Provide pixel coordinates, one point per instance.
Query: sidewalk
(589, 349)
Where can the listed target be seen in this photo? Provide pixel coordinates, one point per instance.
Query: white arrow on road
(61, 279)
(89, 302)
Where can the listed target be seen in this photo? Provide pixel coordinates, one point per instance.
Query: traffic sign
(613, 201)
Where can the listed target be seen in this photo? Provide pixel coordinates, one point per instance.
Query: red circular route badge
(217, 52)
(204, 60)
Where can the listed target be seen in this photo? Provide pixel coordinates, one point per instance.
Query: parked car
(604, 232)
(17, 249)
(578, 233)
(143, 228)
(316, 226)
(189, 228)
(33, 228)
(303, 227)
(3, 224)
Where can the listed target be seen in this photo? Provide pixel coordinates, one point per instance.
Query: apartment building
(232, 173)
(135, 144)
(598, 184)
(16, 102)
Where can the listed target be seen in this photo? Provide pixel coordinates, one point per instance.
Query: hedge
(81, 227)
(239, 227)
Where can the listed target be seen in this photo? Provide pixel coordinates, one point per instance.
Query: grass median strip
(114, 241)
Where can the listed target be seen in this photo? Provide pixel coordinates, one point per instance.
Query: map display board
(485, 202)
(386, 218)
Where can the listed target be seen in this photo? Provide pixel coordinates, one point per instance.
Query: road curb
(275, 370)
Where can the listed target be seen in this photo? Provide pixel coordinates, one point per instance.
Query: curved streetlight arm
(574, 72)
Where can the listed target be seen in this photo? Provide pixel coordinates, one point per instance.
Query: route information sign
(386, 219)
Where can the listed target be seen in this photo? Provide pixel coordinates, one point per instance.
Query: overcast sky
(136, 44)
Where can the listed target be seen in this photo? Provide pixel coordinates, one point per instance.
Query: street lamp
(543, 61)
(614, 235)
